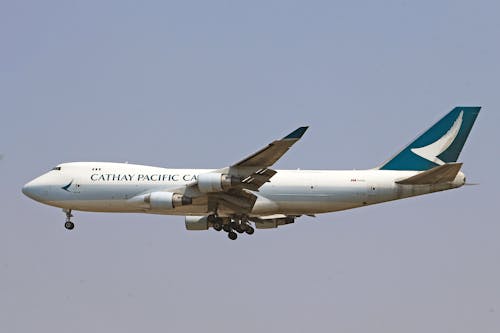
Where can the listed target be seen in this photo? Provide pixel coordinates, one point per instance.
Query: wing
(267, 156)
(254, 170)
(230, 188)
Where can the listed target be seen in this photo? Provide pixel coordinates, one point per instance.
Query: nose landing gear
(68, 224)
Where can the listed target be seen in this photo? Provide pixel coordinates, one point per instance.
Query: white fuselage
(112, 187)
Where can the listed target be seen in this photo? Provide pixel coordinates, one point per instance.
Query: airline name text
(121, 177)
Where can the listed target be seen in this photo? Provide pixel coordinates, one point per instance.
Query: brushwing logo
(432, 151)
(66, 187)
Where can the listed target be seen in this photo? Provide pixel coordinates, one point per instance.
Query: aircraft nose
(26, 189)
(29, 190)
(35, 190)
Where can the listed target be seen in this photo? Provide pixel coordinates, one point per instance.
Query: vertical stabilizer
(440, 144)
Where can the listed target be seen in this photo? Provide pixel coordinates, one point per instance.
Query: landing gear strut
(68, 224)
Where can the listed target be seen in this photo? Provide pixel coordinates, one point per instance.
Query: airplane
(250, 191)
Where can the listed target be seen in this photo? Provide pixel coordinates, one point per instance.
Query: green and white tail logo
(440, 144)
(432, 151)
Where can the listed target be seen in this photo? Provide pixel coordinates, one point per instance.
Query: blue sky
(203, 84)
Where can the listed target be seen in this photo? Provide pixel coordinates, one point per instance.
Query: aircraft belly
(313, 203)
(124, 206)
(97, 205)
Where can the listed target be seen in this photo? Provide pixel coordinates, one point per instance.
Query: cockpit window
(56, 168)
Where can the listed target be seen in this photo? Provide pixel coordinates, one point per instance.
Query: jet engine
(196, 222)
(215, 182)
(166, 200)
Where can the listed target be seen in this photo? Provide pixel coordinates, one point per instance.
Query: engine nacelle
(274, 223)
(196, 222)
(166, 200)
(215, 182)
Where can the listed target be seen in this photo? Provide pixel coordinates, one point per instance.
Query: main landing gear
(68, 224)
(233, 226)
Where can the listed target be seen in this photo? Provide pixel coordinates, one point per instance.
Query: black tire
(226, 228)
(69, 225)
(232, 235)
(239, 229)
(250, 230)
(217, 227)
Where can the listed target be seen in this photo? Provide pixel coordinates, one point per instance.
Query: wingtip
(298, 133)
(472, 108)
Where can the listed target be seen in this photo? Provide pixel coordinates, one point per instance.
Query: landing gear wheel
(232, 235)
(217, 227)
(69, 225)
(239, 228)
(250, 230)
(226, 228)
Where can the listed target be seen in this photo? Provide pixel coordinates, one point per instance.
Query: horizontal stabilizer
(440, 174)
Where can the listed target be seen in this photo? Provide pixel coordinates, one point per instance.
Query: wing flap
(257, 179)
(237, 200)
(440, 174)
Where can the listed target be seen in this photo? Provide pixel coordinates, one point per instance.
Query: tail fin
(440, 144)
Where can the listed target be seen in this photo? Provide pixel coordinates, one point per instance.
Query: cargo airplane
(250, 194)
